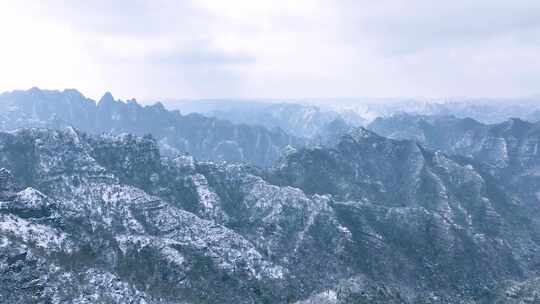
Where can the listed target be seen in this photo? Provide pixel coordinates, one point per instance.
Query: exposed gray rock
(372, 220)
(418, 216)
(507, 151)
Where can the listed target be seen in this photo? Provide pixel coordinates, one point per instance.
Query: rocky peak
(36, 92)
(106, 101)
(204, 137)
(73, 93)
(515, 127)
(133, 102)
(107, 98)
(158, 106)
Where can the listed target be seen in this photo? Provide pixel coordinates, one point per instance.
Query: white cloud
(36, 52)
(241, 48)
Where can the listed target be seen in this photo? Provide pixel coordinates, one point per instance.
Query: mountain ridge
(206, 138)
(119, 203)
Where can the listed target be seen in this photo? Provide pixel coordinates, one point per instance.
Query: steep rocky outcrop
(441, 220)
(508, 151)
(510, 143)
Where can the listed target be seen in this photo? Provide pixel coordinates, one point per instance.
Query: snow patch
(41, 236)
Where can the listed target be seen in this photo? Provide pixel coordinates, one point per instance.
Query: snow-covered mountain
(86, 219)
(102, 204)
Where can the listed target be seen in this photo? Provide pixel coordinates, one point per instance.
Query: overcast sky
(272, 49)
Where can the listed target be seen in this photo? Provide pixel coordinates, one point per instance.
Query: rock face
(108, 219)
(96, 236)
(419, 216)
(206, 138)
(512, 142)
(508, 151)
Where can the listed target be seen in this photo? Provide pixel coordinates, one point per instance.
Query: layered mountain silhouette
(205, 138)
(301, 120)
(114, 202)
(507, 150)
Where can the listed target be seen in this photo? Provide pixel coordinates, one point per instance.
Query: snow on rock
(41, 236)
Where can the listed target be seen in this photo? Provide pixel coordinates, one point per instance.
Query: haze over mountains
(364, 110)
(115, 202)
(205, 138)
(226, 129)
(278, 152)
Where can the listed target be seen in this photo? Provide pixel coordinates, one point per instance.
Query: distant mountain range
(304, 116)
(512, 142)
(300, 120)
(255, 132)
(205, 138)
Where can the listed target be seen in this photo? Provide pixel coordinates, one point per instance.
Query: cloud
(241, 48)
(409, 26)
